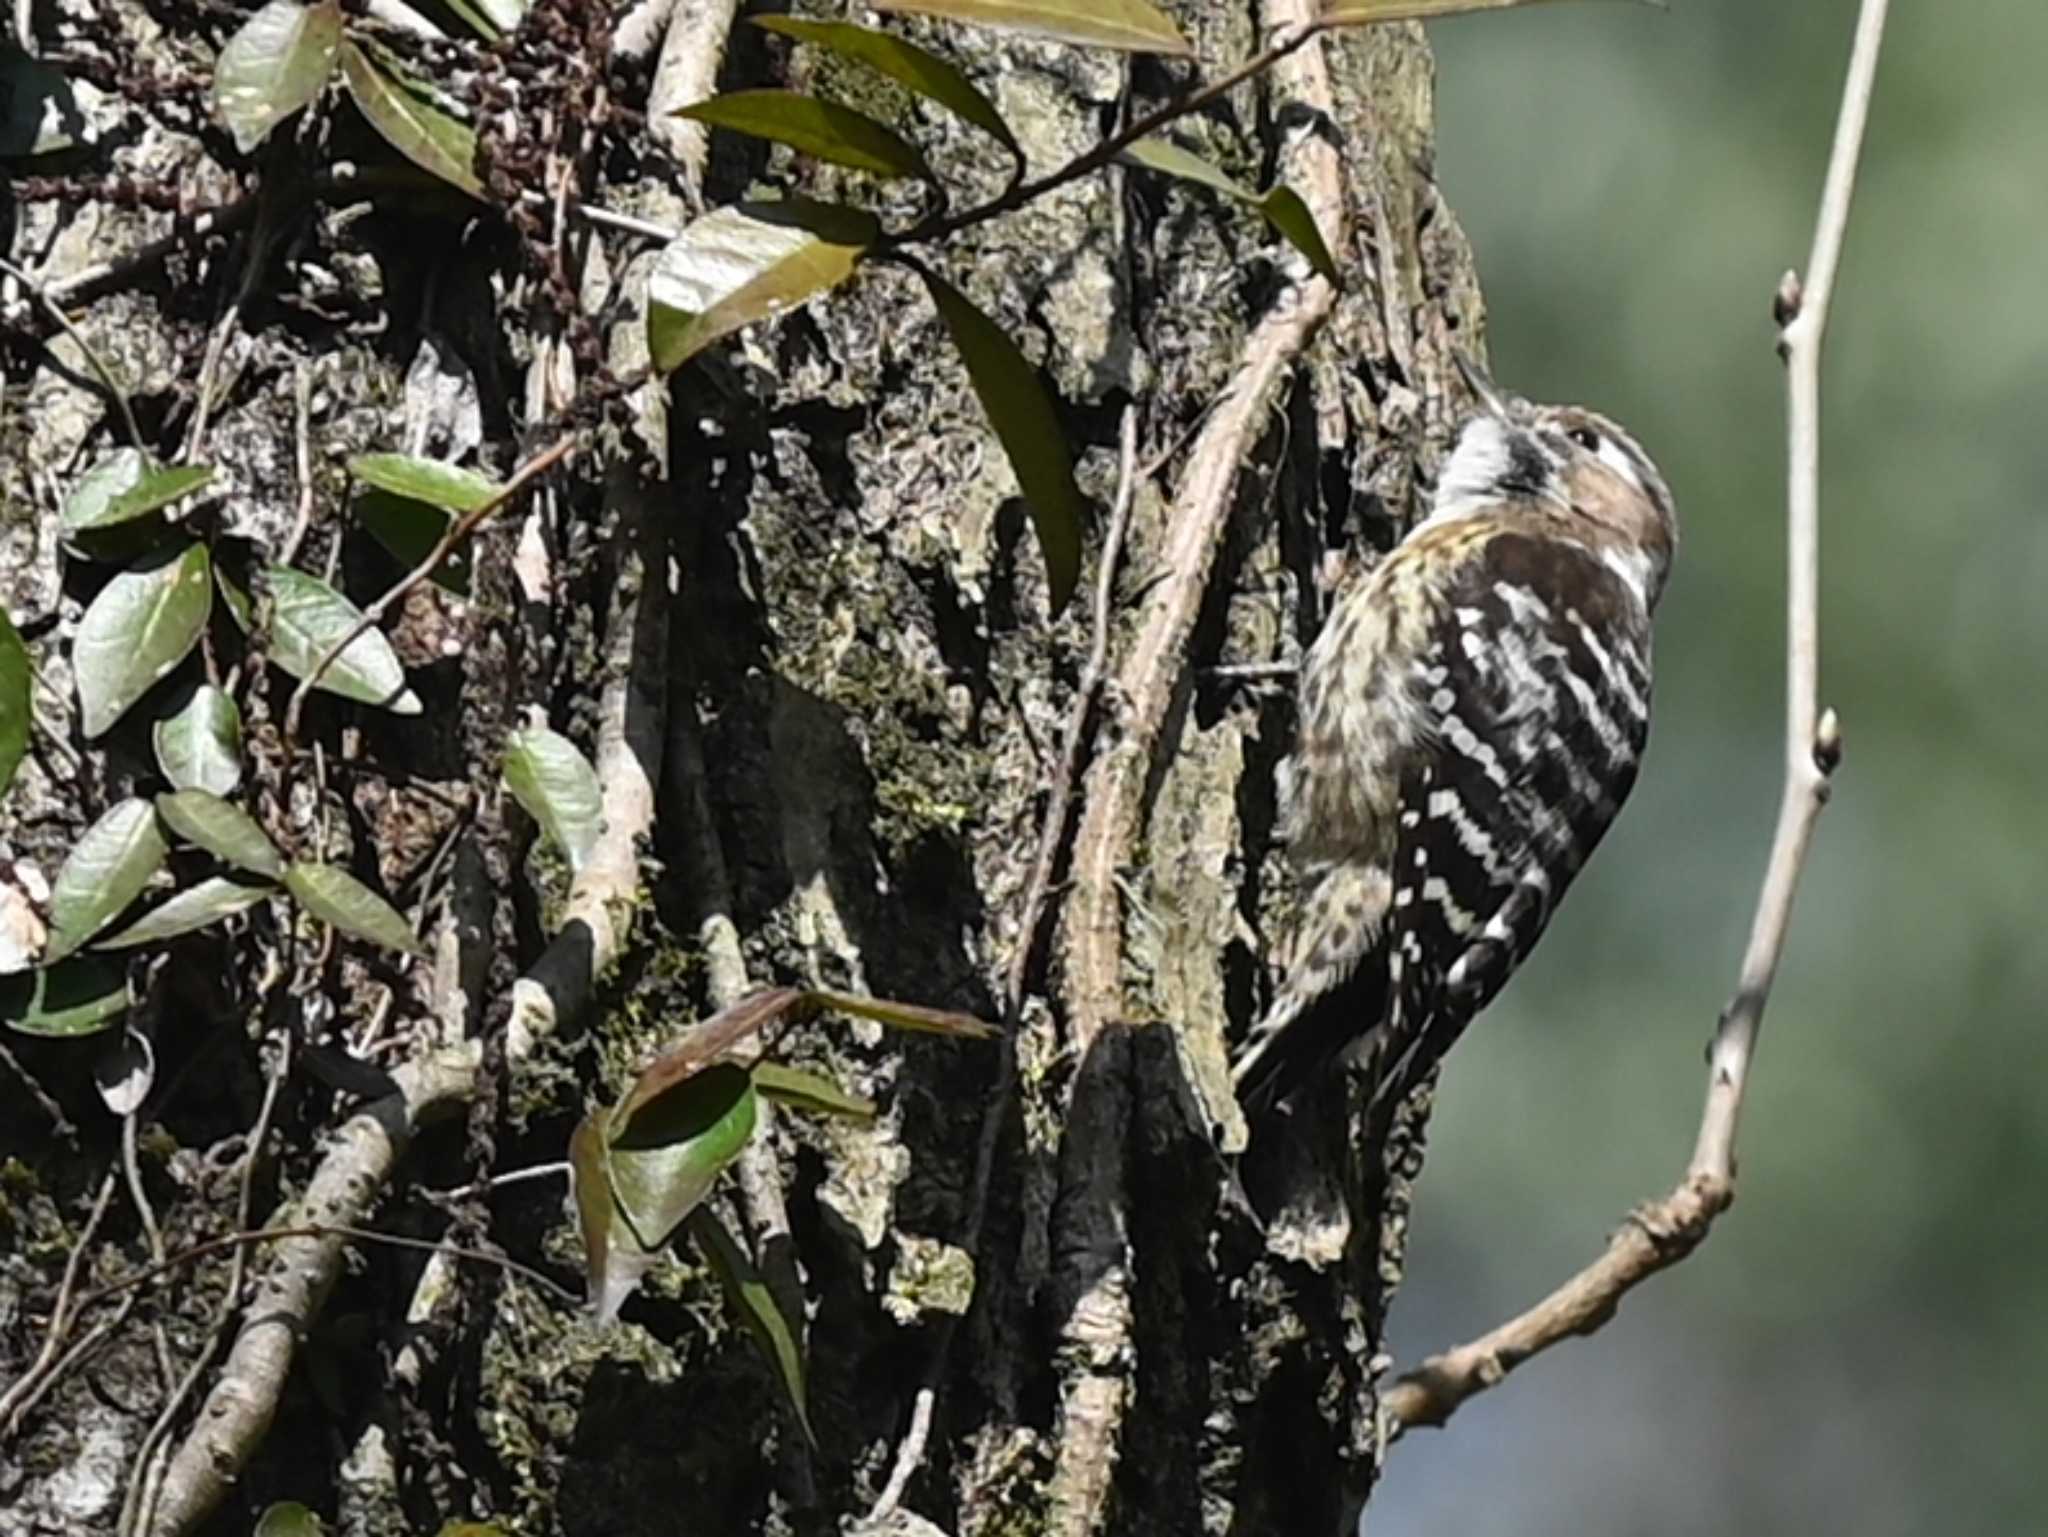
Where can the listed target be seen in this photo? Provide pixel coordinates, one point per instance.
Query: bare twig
(90, 353)
(14, 1403)
(1666, 1231)
(452, 539)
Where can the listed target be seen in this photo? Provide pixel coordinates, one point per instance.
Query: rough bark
(863, 697)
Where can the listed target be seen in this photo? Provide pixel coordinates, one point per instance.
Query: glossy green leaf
(77, 997)
(745, 263)
(105, 871)
(275, 64)
(754, 1301)
(199, 747)
(1135, 26)
(1359, 13)
(665, 1155)
(223, 829)
(141, 625)
(288, 1518)
(16, 700)
(558, 787)
(215, 898)
(110, 476)
(1022, 414)
(811, 1092)
(1282, 207)
(821, 128)
(337, 898)
(38, 112)
(916, 69)
(613, 1261)
(154, 491)
(447, 486)
(307, 619)
(411, 122)
(410, 530)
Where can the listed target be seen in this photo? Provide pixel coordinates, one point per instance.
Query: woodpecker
(1472, 716)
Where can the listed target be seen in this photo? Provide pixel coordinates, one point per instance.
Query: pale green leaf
(447, 486)
(665, 1154)
(141, 625)
(106, 870)
(337, 898)
(910, 66)
(275, 64)
(821, 128)
(411, 121)
(813, 1092)
(745, 263)
(95, 491)
(16, 700)
(558, 787)
(1359, 13)
(288, 1518)
(200, 746)
(78, 997)
(1133, 25)
(307, 619)
(215, 898)
(223, 829)
(1022, 414)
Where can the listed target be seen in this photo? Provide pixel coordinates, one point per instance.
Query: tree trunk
(795, 611)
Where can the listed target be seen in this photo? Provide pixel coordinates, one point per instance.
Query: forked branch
(1664, 1232)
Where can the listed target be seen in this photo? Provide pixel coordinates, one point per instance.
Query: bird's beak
(1477, 382)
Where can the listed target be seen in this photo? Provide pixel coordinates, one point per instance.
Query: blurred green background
(1863, 1344)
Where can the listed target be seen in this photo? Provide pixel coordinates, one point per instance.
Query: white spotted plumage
(1472, 716)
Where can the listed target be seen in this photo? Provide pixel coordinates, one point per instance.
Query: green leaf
(1021, 412)
(15, 700)
(109, 477)
(79, 997)
(411, 122)
(410, 530)
(1133, 25)
(1282, 207)
(215, 898)
(38, 113)
(917, 69)
(812, 1092)
(223, 829)
(665, 1155)
(288, 1518)
(821, 128)
(748, 262)
(611, 1270)
(140, 627)
(902, 1016)
(105, 871)
(335, 897)
(154, 491)
(276, 64)
(1360, 13)
(200, 746)
(447, 486)
(558, 788)
(752, 1298)
(307, 618)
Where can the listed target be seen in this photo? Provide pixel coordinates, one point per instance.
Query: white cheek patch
(1619, 460)
(1478, 463)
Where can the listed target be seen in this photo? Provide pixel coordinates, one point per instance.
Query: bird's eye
(1586, 438)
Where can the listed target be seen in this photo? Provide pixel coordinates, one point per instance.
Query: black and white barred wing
(1537, 690)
